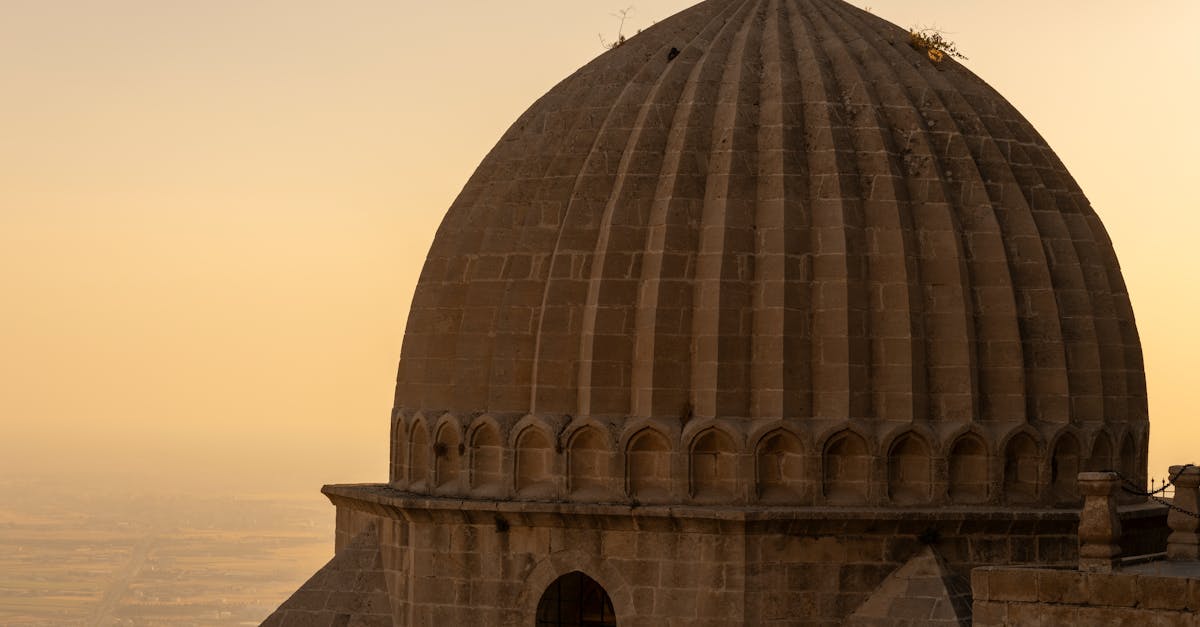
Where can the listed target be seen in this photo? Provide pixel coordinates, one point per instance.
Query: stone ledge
(385, 501)
(1168, 590)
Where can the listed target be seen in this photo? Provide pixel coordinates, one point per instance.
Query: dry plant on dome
(933, 43)
(621, 15)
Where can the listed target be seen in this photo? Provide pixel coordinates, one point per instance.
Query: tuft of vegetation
(934, 44)
(621, 16)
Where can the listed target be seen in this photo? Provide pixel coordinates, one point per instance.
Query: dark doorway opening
(575, 600)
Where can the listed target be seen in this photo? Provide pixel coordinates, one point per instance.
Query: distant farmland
(70, 556)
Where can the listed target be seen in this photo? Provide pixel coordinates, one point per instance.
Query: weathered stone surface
(736, 320)
(1184, 541)
(350, 590)
(796, 263)
(1154, 593)
(922, 592)
(488, 562)
(1099, 524)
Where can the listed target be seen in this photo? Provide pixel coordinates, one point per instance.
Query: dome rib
(1084, 341)
(859, 156)
(556, 367)
(1037, 308)
(1049, 231)
(772, 300)
(801, 243)
(898, 307)
(949, 336)
(485, 348)
(992, 328)
(607, 336)
(661, 383)
(720, 335)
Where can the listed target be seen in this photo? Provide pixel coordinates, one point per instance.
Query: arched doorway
(575, 600)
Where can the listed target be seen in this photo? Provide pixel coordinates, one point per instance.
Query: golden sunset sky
(213, 212)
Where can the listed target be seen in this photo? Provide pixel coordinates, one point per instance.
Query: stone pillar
(1099, 525)
(1184, 542)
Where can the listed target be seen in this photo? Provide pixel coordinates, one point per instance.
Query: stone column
(1184, 542)
(1099, 525)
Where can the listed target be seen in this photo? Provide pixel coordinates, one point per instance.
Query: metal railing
(1164, 494)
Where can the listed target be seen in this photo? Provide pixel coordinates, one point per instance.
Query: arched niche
(969, 470)
(418, 458)
(1101, 458)
(847, 469)
(447, 457)
(486, 457)
(399, 470)
(713, 467)
(648, 466)
(1127, 459)
(910, 471)
(1065, 465)
(779, 464)
(1022, 470)
(535, 464)
(1127, 465)
(588, 463)
(575, 600)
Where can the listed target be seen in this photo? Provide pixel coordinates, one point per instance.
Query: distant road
(122, 579)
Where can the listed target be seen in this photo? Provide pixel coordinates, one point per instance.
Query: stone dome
(767, 250)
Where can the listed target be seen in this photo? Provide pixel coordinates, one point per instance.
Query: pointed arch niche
(910, 472)
(535, 464)
(713, 467)
(588, 459)
(969, 470)
(847, 466)
(486, 457)
(1022, 470)
(648, 466)
(779, 465)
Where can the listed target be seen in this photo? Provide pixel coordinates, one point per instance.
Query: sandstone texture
(798, 262)
(763, 317)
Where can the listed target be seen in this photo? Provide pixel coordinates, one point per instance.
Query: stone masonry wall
(487, 563)
(1031, 598)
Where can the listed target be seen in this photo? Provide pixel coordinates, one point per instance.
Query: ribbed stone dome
(768, 215)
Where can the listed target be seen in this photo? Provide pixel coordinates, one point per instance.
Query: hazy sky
(213, 212)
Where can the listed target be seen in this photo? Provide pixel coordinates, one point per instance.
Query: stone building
(769, 315)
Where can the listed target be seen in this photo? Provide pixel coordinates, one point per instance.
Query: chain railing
(1168, 488)
(1158, 495)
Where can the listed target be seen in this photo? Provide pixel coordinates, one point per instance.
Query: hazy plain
(77, 554)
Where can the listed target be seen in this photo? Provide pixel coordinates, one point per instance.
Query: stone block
(641, 572)
(1101, 616)
(1112, 590)
(1012, 585)
(643, 601)
(1062, 586)
(305, 599)
(914, 609)
(1029, 615)
(862, 577)
(1162, 593)
(307, 619)
(619, 545)
(681, 603)
(980, 584)
(807, 578)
